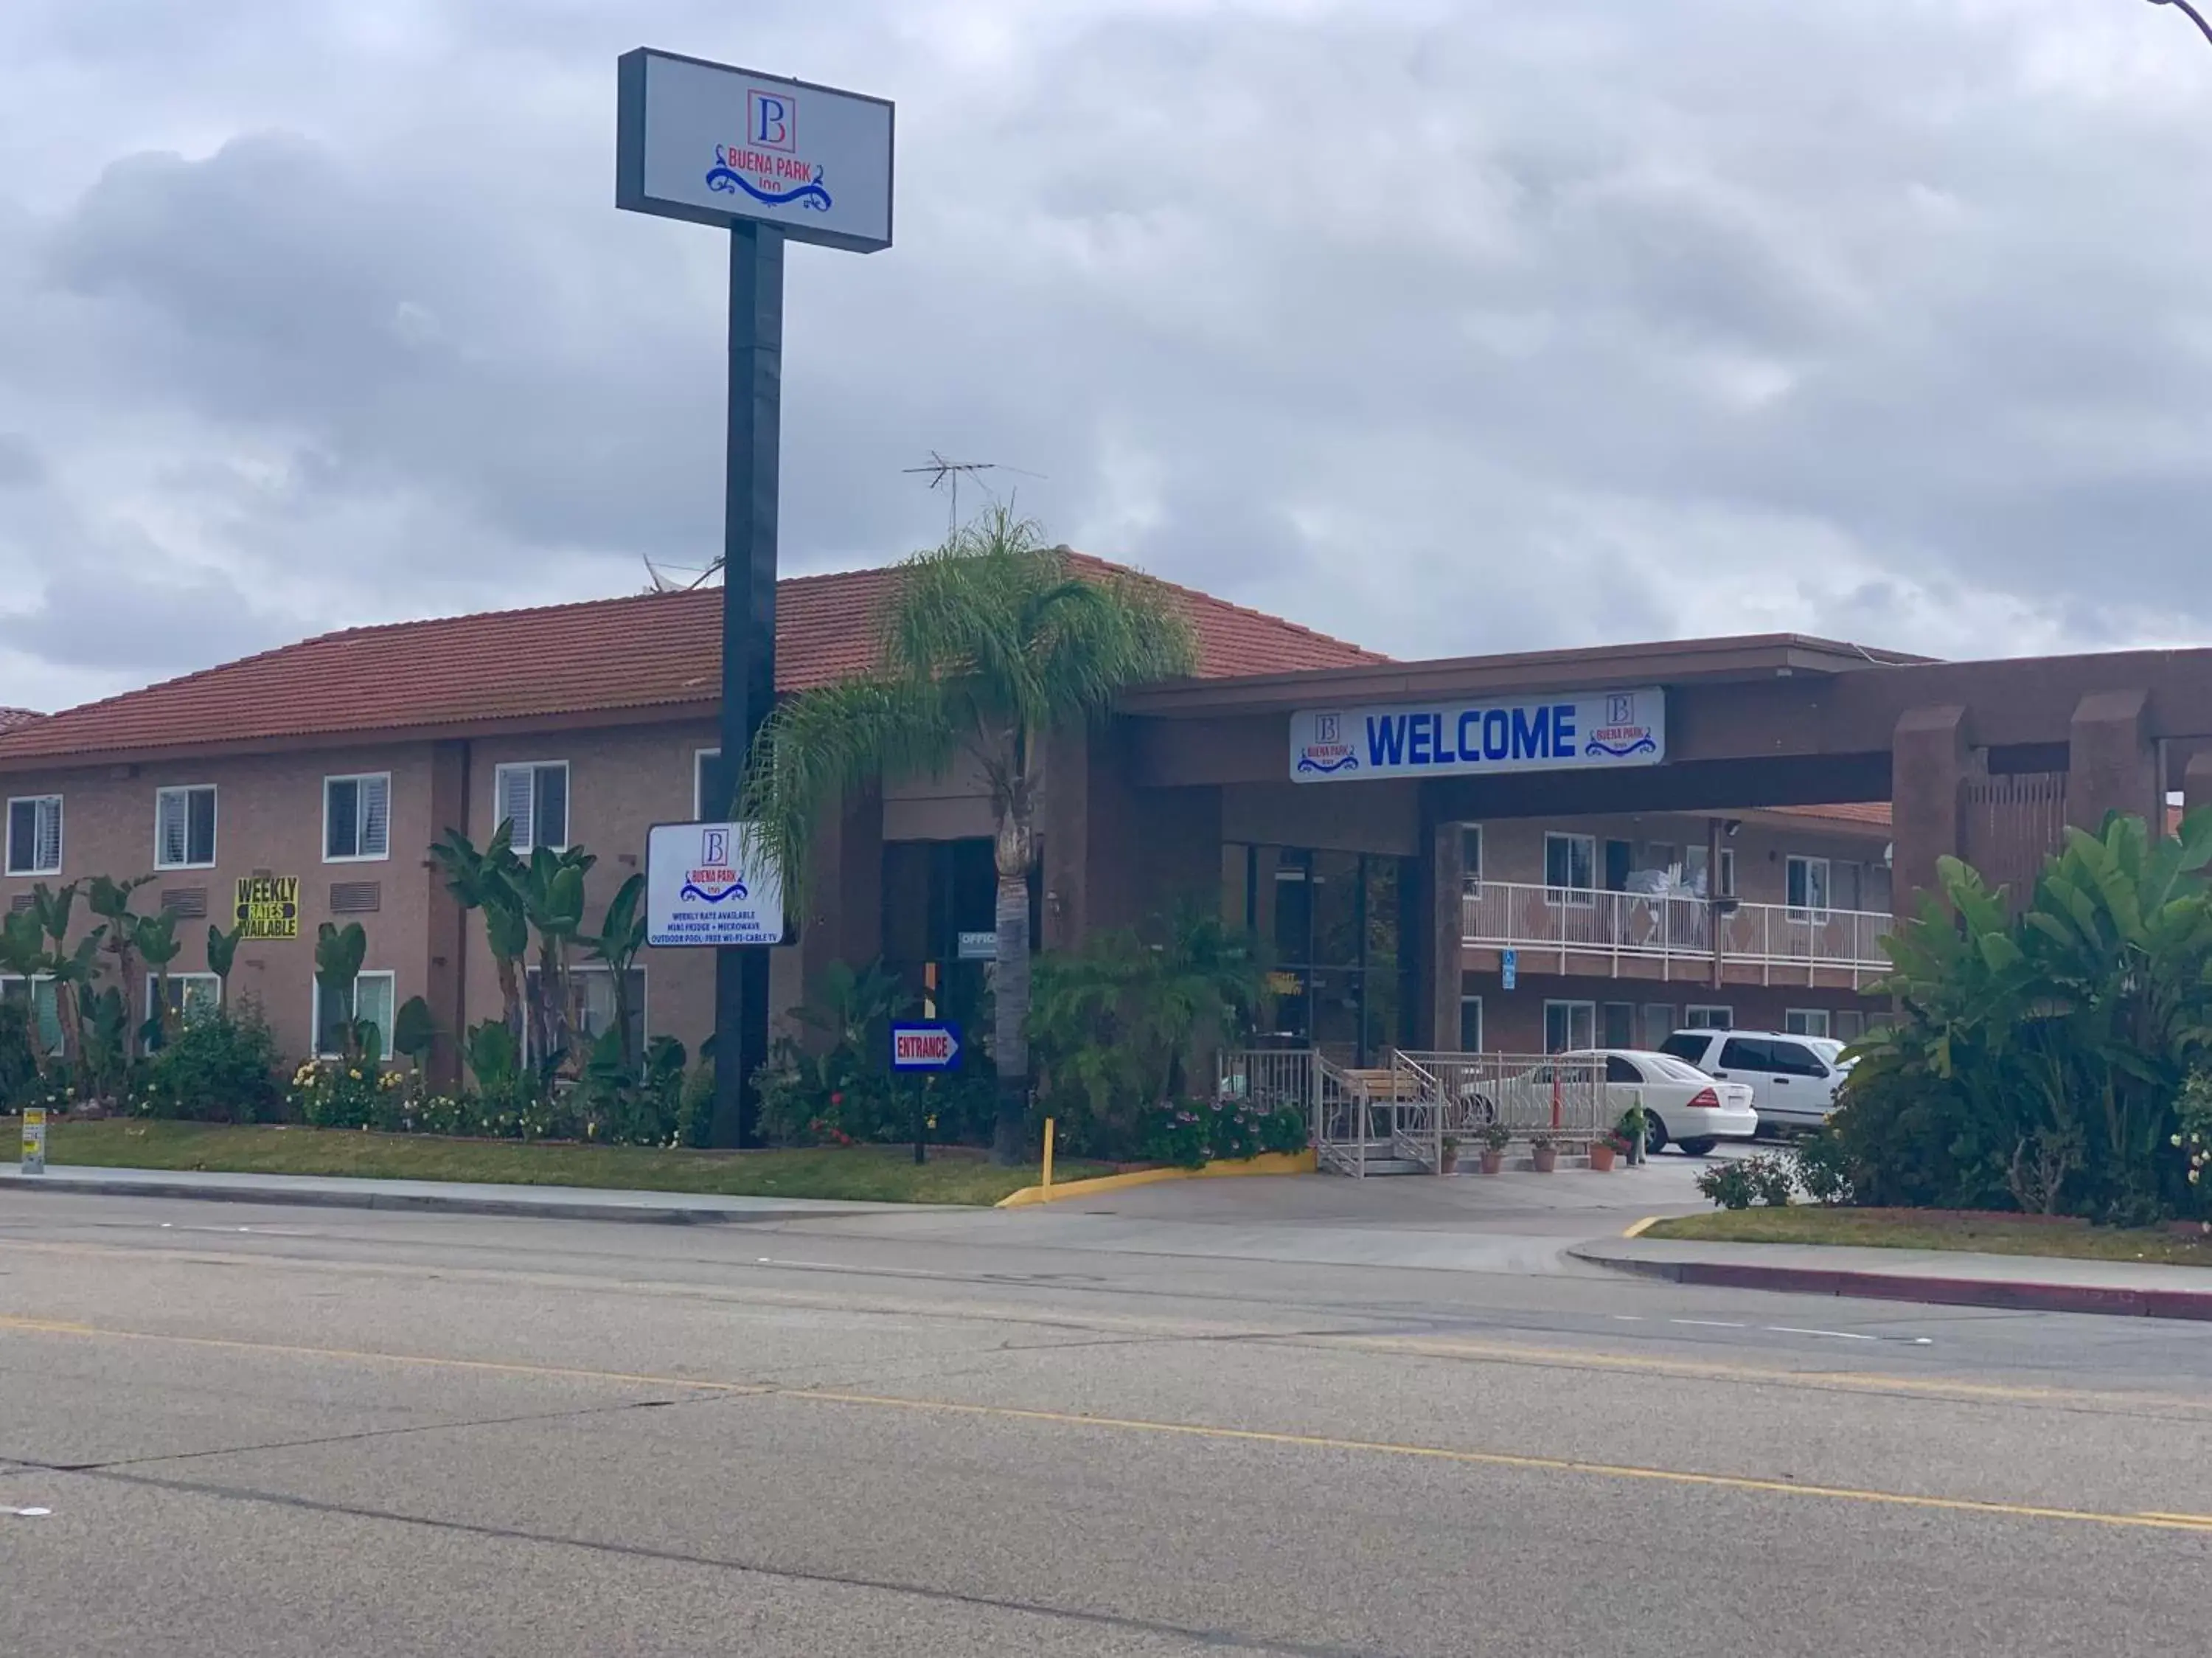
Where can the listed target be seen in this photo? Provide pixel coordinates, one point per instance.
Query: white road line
(1629, 1317)
(28, 1514)
(1837, 1335)
(1711, 1323)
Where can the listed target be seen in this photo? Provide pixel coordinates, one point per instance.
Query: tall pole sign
(771, 160)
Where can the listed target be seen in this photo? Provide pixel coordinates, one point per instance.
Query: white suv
(1793, 1078)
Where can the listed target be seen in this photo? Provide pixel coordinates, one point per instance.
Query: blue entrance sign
(1565, 731)
(1509, 967)
(933, 1046)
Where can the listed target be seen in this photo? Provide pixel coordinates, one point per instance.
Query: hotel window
(1569, 1026)
(534, 798)
(34, 836)
(192, 997)
(1808, 888)
(357, 819)
(1570, 868)
(372, 1005)
(1696, 1018)
(184, 827)
(1806, 1021)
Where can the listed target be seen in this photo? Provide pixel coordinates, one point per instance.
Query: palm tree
(991, 644)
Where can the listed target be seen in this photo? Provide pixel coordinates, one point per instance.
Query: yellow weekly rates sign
(268, 906)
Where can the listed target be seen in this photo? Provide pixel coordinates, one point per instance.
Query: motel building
(1516, 853)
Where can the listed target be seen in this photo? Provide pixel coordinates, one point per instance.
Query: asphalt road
(288, 1431)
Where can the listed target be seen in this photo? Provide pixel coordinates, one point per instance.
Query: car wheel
(1701, 1147)
(1482, 1112)
(1655, 1135)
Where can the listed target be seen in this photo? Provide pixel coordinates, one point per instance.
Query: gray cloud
(1479, 326)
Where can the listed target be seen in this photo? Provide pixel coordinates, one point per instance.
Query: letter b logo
(714, 847)
(773, 120)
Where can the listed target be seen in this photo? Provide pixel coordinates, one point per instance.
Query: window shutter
(514, 802)
(375, 817)
(49, 833)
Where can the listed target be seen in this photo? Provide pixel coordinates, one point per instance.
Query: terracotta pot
(1601, 1153)
(1493, 1162)
(1547, 1159)
(1448, 1163)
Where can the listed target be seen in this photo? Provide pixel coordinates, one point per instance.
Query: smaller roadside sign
(932, 1046)
(35, 1140)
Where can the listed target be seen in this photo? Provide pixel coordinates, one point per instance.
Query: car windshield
(1826, 1046)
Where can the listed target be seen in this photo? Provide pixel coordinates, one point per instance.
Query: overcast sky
(1452, 326)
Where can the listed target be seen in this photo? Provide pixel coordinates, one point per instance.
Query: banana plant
(222, 957)
(158, 945)
(551, 891)
(339, 952)
(23, 955)
(616, 944)
(485, 881)
(415, 1032)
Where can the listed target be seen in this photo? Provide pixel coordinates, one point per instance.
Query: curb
(1268, 1162)
(2006, 1294)
(420, 1203)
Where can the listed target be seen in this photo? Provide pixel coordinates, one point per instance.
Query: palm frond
(825, 742)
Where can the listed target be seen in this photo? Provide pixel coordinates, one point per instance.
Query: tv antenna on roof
(945, 475)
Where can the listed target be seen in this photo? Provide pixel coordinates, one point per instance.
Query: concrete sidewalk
(1945, 1277)
(560, 1203)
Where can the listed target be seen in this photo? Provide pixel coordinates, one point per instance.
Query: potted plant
(1496, 1136)
(1544, 1150)
(1628, 1133)
(1602, 1152)
(1448, 1156)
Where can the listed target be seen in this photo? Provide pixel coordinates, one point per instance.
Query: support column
(844, 916)
(1064, 826)
(2112, 764)
(1928, 776)
(1441, 872)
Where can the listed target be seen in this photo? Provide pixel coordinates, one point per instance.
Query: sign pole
(749, 525)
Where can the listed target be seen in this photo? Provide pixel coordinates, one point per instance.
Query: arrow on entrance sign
(924, 1047)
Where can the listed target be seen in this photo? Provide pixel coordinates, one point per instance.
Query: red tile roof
(12, 717)
(1875, 812)
(648, 651)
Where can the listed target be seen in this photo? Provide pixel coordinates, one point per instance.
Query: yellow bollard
(1048, 1153)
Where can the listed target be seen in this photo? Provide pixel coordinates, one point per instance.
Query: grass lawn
(1937, 1228)
(876, 1174)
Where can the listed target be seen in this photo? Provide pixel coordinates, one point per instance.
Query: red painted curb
(2193, 1304)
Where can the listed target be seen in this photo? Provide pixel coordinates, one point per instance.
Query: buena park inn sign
(1574, 731)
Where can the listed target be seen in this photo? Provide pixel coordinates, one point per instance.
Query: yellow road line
(2150, 1520)
(1642, 1226)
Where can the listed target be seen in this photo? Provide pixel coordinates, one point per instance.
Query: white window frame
(1699, 1016)
(1800, 1021)
(1572, 1005)
(1844, 1016)
(357, 777)
(568, 797)
(35, 869)
(1809, 910)
(58, 1045)
(1577, 897)
(214, 825)
(1470, 871)
(315, 1010)
(212, 983)
(1475, 1002)
(585, 970)
(700, 757)
(1644, 1010)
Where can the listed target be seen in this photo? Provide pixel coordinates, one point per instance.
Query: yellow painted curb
(1268, 1162)
(1642, 1226)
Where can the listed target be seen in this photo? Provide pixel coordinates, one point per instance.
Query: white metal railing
(1566, 923)
(1272, 1078)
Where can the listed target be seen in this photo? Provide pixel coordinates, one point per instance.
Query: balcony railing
(1562, 928)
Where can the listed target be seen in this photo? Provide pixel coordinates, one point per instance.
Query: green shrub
(220, 1068)
(1740, 1182)
(1823, 1169)
(1191, 1133)
(348, 1094)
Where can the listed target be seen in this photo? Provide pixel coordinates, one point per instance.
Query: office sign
(932, 1046)
(977, 947)
(1573, 731)
(267, 906)
(710, 884)
(715, 143)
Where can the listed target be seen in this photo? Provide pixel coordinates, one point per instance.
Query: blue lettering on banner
(1596, 730)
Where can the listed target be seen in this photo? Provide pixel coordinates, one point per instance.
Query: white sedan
(1681, 1103)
